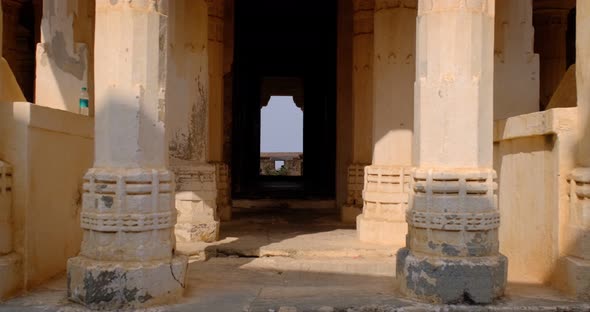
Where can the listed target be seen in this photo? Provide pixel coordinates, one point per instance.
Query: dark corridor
(280, 41)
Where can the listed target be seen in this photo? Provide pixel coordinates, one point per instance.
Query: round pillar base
(106, 285)
(471, 280)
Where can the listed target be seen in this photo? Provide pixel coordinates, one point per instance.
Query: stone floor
(295, 263)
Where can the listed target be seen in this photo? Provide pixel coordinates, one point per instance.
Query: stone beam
(127, 257)
(451, 254)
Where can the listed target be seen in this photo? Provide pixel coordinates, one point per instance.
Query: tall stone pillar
(127, 257)
(550, 24)
(216, 51)
(451, 253)
(362, 105)
(188, 122)
(516, 66)
(577, 263)
(385, 193)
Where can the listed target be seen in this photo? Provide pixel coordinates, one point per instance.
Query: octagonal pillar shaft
(128, 217)
(451, 253)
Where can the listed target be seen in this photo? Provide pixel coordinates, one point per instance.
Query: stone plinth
(385, 198)
(196, 203)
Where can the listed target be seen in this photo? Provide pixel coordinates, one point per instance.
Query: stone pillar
(386, 181)
(10, 262)
(62, 63)
(188, 122)
(550, 42)
(451, 253)
(127, 257)
(577, 263)
(362, 105)
(516, 66)
(216, 52)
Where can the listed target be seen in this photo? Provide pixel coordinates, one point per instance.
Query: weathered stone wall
(44, 146)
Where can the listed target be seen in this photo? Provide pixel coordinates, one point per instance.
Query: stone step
(352, 266)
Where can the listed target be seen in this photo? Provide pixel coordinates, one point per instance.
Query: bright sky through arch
(281, 126)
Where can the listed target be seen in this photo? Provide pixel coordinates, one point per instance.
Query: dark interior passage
(285, 48)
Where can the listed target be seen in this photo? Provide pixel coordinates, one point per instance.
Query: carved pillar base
(126, 259)
(385, 201)
(576, 266)
(452, 244)
(354, 197)
(224, 208)
(196, 203)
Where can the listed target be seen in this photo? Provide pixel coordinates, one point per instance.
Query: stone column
(451, 253)
(577, 263)
(362, 105)
(550, 42)
(62, 63)
(188, 120)
(516, 66)
(386, 181)
(127, 257)
(216, 105)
